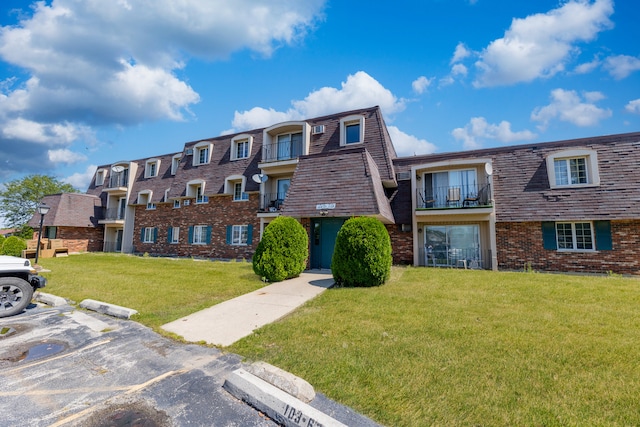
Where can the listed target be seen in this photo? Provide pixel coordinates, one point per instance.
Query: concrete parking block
(109, 309)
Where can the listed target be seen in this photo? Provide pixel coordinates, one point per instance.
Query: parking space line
(62, 356)
(130, 390)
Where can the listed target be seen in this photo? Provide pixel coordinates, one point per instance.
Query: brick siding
(220, 212)
(401, 244)
(521, 243)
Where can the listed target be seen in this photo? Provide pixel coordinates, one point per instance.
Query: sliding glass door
(452, 245)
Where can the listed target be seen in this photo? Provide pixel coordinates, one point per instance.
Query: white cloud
(587, 67)
(460, 53)
(421, 84)
(540, 45)
(65, 156)
(633, 106)
(81, 181)
(479, 129)
(359, 91)
(569, 106)
(459, 70)
(94, 63)
(621, 66)
(409, 145)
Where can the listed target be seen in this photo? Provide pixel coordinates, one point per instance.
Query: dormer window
(351, 130)
(100, 174)
(151, 168)
(195, 189)
(145, 197)
(175, 163)
(241, 147)
(573, 168)
(202, 153)
(285, 141)
(234, 185)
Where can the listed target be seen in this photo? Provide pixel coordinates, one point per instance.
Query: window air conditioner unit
(187, 202)
(317, 130)
(189, 152)
(403, 176)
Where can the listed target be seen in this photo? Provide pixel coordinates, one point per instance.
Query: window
(201, 198)
(202, 153)
(149, 235)
(176, 204)
(200, 234)
(573, 168)
(100, 174)
(145, 197)
(195, 190)
(351, 130)
(175, 163)
(151, 168)
(151, 206)
(239, 235)
(241, 147)
(173, 235)
(577, 236)
(353, 133)
(571, 171)
(289, 145)
(238, 194)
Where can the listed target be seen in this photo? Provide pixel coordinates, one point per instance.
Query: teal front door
(323, 239)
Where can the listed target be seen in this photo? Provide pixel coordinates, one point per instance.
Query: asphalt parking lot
(64, 367)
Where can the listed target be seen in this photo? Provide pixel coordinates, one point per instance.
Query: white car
(18, 281)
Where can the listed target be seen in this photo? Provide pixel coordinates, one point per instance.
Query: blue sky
(87, 82)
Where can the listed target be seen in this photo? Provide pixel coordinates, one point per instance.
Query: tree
(362, 255)
(283, 251)
(20, 197)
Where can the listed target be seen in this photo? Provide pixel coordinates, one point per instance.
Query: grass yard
(430, 347)
(469, 348)
(160, 289)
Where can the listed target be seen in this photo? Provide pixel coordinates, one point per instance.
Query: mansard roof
(521, 187)
(346, 182)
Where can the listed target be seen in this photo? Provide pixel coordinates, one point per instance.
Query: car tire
(15, 295)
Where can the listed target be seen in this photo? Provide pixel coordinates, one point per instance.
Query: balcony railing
(279, 151)
(459, 196)
(476, 259)
(272, 202)
(119, 179)
(114, 214)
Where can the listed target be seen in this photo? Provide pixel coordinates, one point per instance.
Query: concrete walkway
(227, 322)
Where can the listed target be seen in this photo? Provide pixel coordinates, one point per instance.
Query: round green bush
(14, 246)
(362, 256)
(283, 251)
(2, 239)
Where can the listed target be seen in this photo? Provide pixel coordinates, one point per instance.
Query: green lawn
(430, 347)
(160, 289)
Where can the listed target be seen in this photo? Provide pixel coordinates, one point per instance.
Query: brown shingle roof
(70, 210)
(348, 177)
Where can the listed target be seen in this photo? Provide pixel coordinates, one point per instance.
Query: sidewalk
(227, 322)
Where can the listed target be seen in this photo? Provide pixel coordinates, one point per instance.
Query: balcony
(114, 214)
(281, 151)
(454, 197)
(443, 256)
(272, 202)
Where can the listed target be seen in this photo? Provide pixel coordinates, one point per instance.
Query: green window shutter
(603, 235)
(249, 234)
(169, 234)
(549, 235)
(155, 234)
(191, 234)
(142, 234)
(208, 234)
(229, 231)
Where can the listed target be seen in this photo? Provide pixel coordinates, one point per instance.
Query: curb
(108, 309)
(275, 403)
(52, 300)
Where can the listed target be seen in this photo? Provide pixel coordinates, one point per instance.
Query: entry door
(324, 233)
(119, 240)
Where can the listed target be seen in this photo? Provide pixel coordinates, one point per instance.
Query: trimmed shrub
(13, 246)
(2, 239)
(362, 256)
(283, 251)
